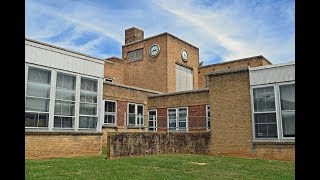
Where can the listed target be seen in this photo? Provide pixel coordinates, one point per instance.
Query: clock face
(184, 55)
(154, 50)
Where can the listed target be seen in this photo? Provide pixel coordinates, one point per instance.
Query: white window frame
(75, 100)
(108, 113)
(54, 72)
(208, 118)
(276, 90)
(136, 124)
(177, 129)
(28, 66)
(155, 121)
(97, 103)
(279, 108)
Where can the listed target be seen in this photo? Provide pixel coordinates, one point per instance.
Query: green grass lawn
(183, 166)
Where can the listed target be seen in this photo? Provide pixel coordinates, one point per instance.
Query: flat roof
(132, 87)
(236, 60)
(60, 48)
(161, 34)
(290, 63)
(179, 92)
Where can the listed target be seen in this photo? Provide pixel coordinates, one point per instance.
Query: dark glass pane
(266, 130)
(140, 109)
(288, 124)
(110, 106)
(132, 108)
(63, 122)
(36, 120)
(109, 119)
(265, 118)
(88, 109)
(132, 119)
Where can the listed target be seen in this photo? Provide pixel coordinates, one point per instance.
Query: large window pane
(110, 112)
(264, 99)
(38, 89)
(288, 124)
(287, 97)
(88, 109)
(39, 75)
(265, 125)
(37, 104)
(36, 119)
(184, 78)
(64, 108)
(87, 122)
(63, 122)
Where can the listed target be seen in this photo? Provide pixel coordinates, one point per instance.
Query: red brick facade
(162, 119)
(121, 111)
(197, 117)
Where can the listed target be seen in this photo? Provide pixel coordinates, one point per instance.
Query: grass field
(158, 167)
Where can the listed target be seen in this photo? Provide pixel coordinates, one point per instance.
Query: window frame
(135, 51)
(276, 90)
(208, 118)
(177, 128)
(136, 125)
(75, 99)
(28, 67)
(106, 113)
(279, 101)
(155, 122)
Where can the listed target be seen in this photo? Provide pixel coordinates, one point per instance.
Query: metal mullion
(52, 99)
(38, 97)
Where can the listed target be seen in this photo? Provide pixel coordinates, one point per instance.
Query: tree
(201, 63)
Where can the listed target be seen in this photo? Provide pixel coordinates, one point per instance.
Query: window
(184, 78)
(287, 101)
(208, 116)
(110, 113)
(207, 80)
(88, 103)
(177, 119)
(152, 120)
(37, 98)
(274, 111)
(135, 55)
(135, 115)
(64, 109)
(265, 113)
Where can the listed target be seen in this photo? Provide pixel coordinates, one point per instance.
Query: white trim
(115, 113)
(155, 121)
(177, 119)
(77, 105)
(276, 89)
(136, 115)
(52, 99)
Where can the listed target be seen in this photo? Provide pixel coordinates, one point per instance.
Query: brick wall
(52, 145)
(141, 144)
(162, 119)
(178, 99)
(114, 70)
(231, 120)
(197, 117)
(250, 61)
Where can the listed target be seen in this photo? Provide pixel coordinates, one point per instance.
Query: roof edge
(228, 71)
(157, 35)
(132, 87)
(236, 60)
(180, 92)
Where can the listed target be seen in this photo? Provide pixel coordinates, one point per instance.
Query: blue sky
(223, 30)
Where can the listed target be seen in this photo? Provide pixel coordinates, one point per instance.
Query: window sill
(61, 133)
(109, 126)
(276, 142)
(135, 127)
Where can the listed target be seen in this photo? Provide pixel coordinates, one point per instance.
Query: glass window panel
(182, 124)
(88, 109)
(86, 96)
(266, 130)
(38, 90)
(109, 119)
(87, 122)
(110, 106)
(132, 119)
(140, 109)
(131, 108)
(287, 97)
(39, 75)
(288, 124)
(36, 119)
(265, 118)
(172, 124)
(264, 99)
(65, 94)
(63, 122)
(64, 108)
(37, 104)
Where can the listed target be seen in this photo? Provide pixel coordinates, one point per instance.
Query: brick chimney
(133, 35)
